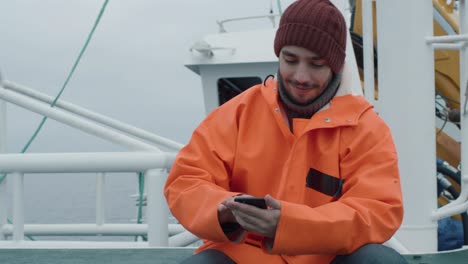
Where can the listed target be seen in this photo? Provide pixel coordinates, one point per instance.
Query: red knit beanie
(316, 25)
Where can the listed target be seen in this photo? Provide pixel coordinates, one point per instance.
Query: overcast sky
(133, 68)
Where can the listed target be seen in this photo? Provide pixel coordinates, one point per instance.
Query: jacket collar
(343, 110)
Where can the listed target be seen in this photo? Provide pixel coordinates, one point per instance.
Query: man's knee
(209, 256)
(371, 254)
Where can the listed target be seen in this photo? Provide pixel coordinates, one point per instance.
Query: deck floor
(159, 256)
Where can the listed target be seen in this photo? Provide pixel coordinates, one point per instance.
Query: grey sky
(133, 68)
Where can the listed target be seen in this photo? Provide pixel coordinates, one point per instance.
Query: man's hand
(225, 215)
(226, 219)
(251, 218)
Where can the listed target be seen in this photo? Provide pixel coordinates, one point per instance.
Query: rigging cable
(72, 71)
(83, 49)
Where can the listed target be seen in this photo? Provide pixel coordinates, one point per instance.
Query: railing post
(18, 206)
(157, 211)
(3, 187)
(100, 199)
(3, 123)
(368, 45)
(3, 206)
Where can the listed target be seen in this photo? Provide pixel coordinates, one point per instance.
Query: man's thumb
(272, 202)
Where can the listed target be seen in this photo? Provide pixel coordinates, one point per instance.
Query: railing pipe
(448, 46)
(156, 209)
(3, 206)
(74, 121)
(18, 206)
(116, 124)
(183, 239)
(88, 229)
(222, 22)
(3, 122)
(460, 205)
(368, 45)
(447, 38)
(100, 199)
(3, 186)
(84, 162)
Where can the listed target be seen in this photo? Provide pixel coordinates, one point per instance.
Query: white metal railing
(89, 229)
(18, 206)
(85, 113)
(100, 200)
(221, 23)
(74, 121)
(84, 162)
(3, 186)
(18, 164)
(458, 42)
(154, 165)
(153, 161)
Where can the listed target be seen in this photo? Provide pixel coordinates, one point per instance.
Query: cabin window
(230, 87)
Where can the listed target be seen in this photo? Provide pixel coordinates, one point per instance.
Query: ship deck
(159, 256)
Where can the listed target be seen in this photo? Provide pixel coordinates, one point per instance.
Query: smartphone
(255, 201)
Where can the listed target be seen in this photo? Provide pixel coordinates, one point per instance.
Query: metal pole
(18, 206)
(406, 78)
(157, 211)
(100, 200)
(3, 183)
(94, 116)
(75, 121)
(3, 207)
(3, 122)
(463, 13)
(89, 229)
(84, 162)
(183, 239)
(448, 46)
(368, 41)
(448, 38)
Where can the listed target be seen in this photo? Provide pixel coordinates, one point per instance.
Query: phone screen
(254, 201)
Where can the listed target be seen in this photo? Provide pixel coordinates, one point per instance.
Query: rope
(77, 61)
(83, 49)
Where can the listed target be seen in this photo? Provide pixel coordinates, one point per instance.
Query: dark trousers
(368, 254)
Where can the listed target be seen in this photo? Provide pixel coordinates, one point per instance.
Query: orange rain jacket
(245, 146)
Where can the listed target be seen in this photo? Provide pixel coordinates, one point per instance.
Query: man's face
(305, 74)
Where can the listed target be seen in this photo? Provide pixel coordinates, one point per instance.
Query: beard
(289, 96)
(307, 109)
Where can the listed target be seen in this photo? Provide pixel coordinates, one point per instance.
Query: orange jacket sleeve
(199, 179)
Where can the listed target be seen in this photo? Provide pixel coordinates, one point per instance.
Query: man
(321, 157)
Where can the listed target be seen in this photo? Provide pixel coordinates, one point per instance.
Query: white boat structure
(228, 63)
